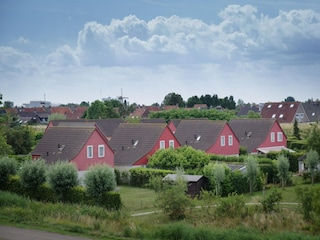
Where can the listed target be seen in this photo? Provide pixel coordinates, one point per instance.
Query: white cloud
(23, 40)
(247, 54)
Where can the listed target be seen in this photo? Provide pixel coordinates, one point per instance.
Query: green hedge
(77, 194)
(140, 176)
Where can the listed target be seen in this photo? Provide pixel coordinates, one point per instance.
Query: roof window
(269, 106)
(280, 106)
(292, 105)
(274, 115)
(281, 116)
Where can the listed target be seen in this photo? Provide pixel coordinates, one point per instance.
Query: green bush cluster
(61, 185)
(140, 176)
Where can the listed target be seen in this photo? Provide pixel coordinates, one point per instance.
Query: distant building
(37, 104)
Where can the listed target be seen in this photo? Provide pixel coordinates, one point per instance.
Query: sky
(78, 50)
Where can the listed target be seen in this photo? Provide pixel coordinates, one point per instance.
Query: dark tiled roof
(70, 140)
(153, 120)
(125, 137)
(199, 134)
(245, 110)
(312, 110)
(107, 126)
(251, 132)
(284, 112)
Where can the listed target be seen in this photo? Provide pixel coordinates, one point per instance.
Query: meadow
(140, 219)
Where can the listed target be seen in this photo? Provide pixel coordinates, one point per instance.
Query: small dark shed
(195, 183)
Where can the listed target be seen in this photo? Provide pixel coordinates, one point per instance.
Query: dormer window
(135, 143)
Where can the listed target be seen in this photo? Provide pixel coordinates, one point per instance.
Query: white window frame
(230, 140)
(171, 143)
(223, 141)
(279, 137)
(162, 144)
(101, 151)
(89, 151)
(272, 137)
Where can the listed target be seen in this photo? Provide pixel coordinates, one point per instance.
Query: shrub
(32, 174)
(269, 204)
(305, 197)
(173, 199)
(8, 166)
(231, 206)
(98, 180)
(62, 176)
(140, 177)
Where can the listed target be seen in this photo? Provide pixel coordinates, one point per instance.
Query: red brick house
(133, 143)
(70, 112)
(259, 135)
(214, 137)
(84, 145)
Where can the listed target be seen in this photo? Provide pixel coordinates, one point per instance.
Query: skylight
(274, 115)
(292, 105)
(269, 106)
(280, 105)
(281, 116)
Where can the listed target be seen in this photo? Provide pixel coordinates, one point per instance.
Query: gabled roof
(140, 112)
(284, 112)
(251, 132)
(312, 110)
(199, 134)
(107, 126)
(70, 113)
(132, 141)
(63, 143)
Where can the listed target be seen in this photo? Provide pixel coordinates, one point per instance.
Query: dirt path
(14, 233)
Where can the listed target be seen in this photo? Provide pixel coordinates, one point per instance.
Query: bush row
(140, 176)
(77, 194)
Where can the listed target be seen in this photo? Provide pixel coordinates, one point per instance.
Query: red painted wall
(172, 127)
(81, 160)
(166, 136)
(225, 150)
(267, 143)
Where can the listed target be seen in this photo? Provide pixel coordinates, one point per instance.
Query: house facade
(83, 145)
(259, 135)
(133, 143)
(214, 137)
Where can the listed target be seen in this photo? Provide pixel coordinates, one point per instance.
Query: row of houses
(283, 112)
(125, 145)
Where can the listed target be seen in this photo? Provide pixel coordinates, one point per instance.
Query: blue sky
(77, 50)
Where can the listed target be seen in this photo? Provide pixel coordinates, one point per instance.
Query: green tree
(99, 179)
(314, 139)
(62, 176)
(97, 110)
(290, 99)
(283, 166)
(20, 139)
(56, 116)
(252, 170)
(312, 162)
(173, 99)
(32, 174)
(192, 101)
(172, 199)
(166, 159)
(84, 104)
(8, 167)
(252, 114)
(5, 148)
(296, 130)
(216, 173)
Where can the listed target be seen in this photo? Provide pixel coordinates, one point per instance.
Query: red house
(214, 137)
(84, 145)
(259, 135)
(133, 143)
